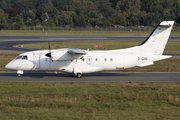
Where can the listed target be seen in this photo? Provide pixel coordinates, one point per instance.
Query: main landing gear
(79, 75)
(78, 72)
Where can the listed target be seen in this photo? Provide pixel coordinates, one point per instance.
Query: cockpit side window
(18, 57)
(22, 57)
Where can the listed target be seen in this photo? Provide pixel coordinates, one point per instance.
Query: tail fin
(157, 40)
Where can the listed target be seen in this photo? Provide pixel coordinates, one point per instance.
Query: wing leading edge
(76, 51)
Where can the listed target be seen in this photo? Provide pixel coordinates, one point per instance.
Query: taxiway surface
(93, 77)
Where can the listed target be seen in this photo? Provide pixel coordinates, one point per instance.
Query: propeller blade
(49, 54)
(49, 48)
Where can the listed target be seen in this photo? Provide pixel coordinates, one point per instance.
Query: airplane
(78, 61)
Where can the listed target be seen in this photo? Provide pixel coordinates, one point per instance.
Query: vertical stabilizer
(157, 40)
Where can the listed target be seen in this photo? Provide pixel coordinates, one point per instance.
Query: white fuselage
(93, 61)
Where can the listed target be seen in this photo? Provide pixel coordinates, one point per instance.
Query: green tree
(121, 20)
(18, 20)
(31, 14)
(146, 5)
(56, 21)
(134, 21)
(82, 21)
(36, 22)
(105, 8)
(129, 6)
(54, 13)
(3, 19)
(40, 12)
(65, 17)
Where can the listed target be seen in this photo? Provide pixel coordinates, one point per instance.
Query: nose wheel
(19, 75)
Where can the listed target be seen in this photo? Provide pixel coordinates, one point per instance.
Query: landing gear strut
(19, 73)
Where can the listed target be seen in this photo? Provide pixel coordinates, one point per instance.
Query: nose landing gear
(19, 73)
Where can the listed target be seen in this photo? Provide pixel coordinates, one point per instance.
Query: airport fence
(89, 28)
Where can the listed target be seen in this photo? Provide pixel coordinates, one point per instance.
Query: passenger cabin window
(22, 57)
(105, 59)
(96, 59)
(111, 59)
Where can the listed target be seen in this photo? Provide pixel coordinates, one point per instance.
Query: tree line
(88, 13)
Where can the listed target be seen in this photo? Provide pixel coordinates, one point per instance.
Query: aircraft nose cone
(10, 65)
(7, 66)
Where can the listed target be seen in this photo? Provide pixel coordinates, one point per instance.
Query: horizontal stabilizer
(76, 51)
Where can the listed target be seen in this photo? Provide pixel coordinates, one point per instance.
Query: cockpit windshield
(24, 57)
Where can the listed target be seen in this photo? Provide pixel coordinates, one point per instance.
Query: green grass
(82, 33)
(97, 101)
(6, 58)
(69, 33)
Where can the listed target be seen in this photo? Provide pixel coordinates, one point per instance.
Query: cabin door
(36, 61)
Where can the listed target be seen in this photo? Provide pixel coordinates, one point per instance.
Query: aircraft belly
(57, 65)
(91, 69)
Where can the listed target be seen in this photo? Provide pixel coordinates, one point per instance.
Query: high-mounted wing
(67, 54)
(76, 51)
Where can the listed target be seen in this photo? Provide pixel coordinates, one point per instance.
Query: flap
(76, 51)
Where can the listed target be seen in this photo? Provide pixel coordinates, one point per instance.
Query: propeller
(49, 54)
